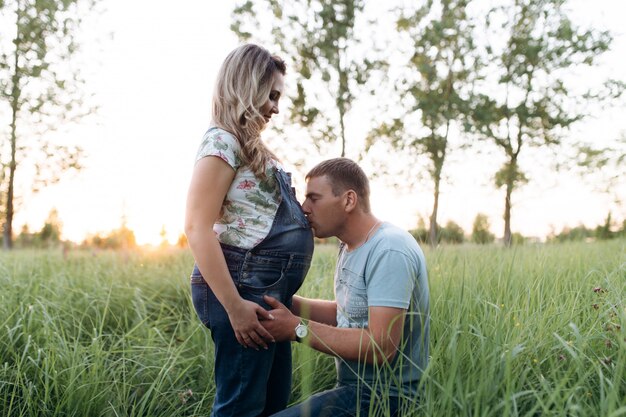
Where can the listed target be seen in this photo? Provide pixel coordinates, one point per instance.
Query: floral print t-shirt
(251, 203)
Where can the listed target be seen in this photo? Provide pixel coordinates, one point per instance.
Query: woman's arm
(210, 182)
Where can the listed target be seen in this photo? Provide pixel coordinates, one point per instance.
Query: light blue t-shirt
(388, 270)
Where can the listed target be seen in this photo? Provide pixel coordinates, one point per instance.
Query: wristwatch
(302, 331)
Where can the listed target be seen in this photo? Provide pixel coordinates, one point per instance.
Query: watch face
(301, 330)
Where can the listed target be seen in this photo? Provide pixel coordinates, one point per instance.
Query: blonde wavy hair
(243, 85)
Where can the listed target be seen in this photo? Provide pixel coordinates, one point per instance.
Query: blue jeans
(343, 401)
(250, 382)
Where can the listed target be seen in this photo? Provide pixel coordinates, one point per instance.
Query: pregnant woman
(248, 235)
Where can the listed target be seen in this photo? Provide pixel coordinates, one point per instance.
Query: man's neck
(360, 229)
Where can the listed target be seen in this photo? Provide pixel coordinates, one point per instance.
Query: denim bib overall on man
(251, 382)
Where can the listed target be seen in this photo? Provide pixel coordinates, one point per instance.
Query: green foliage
(318, 38)
(517, 238)
(607, 230)
(420, 234)
(537, 330)
(121, 238)
(602, 167)
(510, 174)
(480, 230)
(434, 87)
(580, 232)
(51, 230)
(604, 231)
(539, 106)
(48, 236)
(452, 233)
(40, 90)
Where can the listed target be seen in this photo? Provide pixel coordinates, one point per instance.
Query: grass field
(529, 331)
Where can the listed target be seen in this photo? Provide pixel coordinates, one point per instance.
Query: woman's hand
(244, 317)
(210, 182)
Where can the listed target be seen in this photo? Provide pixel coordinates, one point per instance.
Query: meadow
(536, 330)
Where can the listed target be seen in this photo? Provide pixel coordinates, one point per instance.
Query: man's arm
(377, 344)
(321, 311)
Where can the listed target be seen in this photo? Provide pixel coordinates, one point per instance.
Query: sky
(151, 66)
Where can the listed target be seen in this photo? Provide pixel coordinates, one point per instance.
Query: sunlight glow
(153, 82)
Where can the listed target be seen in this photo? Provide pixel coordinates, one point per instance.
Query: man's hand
(283, 326)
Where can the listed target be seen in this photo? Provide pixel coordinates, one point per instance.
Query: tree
(182, 241)
(420, 233)
(533, 47)
(452, 233)
(605, 231)
(580, 232)
(40, 90)
(480, 230)
(517, 238)
(48, 236)
(602, 166)
(320, 38)
(25, 238)
(622, 231)
(163, 234)
(434, 92)
(122, 238)
(51, 231)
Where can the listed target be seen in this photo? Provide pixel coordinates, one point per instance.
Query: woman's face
(270, 107)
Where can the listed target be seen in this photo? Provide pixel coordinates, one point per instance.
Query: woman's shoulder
(221, 143)
(219, 135)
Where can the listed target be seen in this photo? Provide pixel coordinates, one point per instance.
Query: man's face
(324, 210)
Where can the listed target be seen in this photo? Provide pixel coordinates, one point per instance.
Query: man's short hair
(344, 174)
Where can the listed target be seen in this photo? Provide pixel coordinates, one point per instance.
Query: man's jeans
(343, 401)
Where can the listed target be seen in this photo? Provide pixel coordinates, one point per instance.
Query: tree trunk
(432, 234)
(507, 214)
(342, 90)
(343, 133)
(7, 233)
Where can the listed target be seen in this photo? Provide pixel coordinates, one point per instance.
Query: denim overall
(251, 382)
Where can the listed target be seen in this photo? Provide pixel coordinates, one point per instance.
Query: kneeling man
(378, 325)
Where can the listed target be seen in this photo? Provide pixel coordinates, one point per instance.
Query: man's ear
(351, 200)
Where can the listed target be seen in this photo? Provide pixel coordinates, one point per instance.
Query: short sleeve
(218, 142)
(390, 280)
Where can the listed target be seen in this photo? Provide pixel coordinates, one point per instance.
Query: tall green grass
(528, 331)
